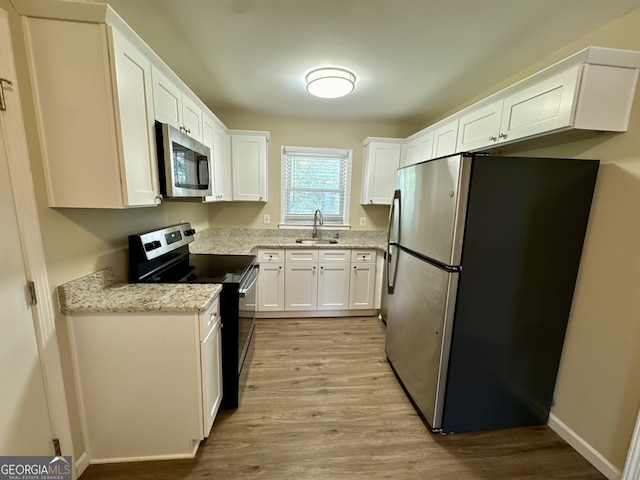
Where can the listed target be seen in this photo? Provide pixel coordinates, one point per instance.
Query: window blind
(314, 179)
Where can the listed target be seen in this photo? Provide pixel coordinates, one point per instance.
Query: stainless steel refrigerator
(482, 261)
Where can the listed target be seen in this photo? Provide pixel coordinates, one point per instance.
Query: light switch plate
(266, 219)
(363, 221)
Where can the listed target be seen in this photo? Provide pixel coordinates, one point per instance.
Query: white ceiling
(414, 59)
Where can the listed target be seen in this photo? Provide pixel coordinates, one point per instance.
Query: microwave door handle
(203, 160)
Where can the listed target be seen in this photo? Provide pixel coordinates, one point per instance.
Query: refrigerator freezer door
(434, 198)
(419, 321)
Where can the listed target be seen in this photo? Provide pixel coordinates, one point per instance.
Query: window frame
(348, 153)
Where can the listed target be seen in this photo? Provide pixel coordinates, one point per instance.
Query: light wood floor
(323, 403)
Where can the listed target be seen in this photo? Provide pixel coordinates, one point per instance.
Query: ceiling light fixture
(330, 82)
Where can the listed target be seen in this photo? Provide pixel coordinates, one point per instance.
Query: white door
(25, 426)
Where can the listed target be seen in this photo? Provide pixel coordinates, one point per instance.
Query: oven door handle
(254, 278)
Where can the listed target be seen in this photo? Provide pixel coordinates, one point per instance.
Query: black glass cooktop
(207, 268)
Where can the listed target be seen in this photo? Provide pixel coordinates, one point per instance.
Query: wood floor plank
(322, 402)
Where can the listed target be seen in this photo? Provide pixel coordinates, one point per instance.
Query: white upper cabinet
(92, 91)
(419, 148)
(592, 90)
(214, 136)
(480, 127)
(543, 107)
(444, 138)
(175, 107)
(249, 165)
(381, 160)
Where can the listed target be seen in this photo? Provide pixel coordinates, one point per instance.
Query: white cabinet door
(167, 100)
(191, 118)
(412, 152)
(445, 137)
(333, 286)
(249, 167)
(222, 164)
(480, 128)
(362, 286)
(214, 137)
(426, 146)
(381, 160)
(543, 107)
(175, 107)
(301, 286)
(139, 169)
(211, 360)
(271, 287)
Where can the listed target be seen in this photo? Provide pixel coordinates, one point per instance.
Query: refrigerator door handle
(391, 258)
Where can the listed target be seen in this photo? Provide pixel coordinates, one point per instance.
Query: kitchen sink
(316, 241)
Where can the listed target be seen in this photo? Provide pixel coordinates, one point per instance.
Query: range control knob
(152, 245)
(189, 232)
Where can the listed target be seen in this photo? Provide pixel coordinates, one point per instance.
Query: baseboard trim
(82, 463)
(594, 457)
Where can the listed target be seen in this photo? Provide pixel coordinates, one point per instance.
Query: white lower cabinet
(363, 280)
(312, 280)
(333, 280)
(149, 384)
(301, 279)
(271, 280)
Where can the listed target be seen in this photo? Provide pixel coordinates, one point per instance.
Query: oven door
(247, 313)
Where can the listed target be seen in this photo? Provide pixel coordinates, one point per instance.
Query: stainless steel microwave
(183, 164)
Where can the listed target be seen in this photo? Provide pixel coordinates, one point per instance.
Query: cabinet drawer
(341, 256)
(271, 256)
(363, 256)
(209, 318)
(302, 255)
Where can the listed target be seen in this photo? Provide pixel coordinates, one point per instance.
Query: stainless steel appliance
(483, 255)
(162, 256)
(183, 163)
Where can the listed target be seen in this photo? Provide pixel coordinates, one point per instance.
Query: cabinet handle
(279, 268)
(355, 267)
(502, 135)
(314, 267)
(188, 130)
(492, 138)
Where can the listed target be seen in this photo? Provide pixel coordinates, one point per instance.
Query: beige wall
(307, 134)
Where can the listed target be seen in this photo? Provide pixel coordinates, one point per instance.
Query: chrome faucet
(316, 216)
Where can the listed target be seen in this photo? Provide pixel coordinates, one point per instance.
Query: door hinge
(56, 447)
(32, 298)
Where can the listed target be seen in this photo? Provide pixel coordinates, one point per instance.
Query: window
(315, 179)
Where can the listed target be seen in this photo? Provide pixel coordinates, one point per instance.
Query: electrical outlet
(266, 219)
(363, 221)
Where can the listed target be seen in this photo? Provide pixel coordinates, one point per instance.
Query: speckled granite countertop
(242, 240)
(99, 293)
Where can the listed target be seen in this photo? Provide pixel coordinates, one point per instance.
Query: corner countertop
(239, 241)
(99, 293)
